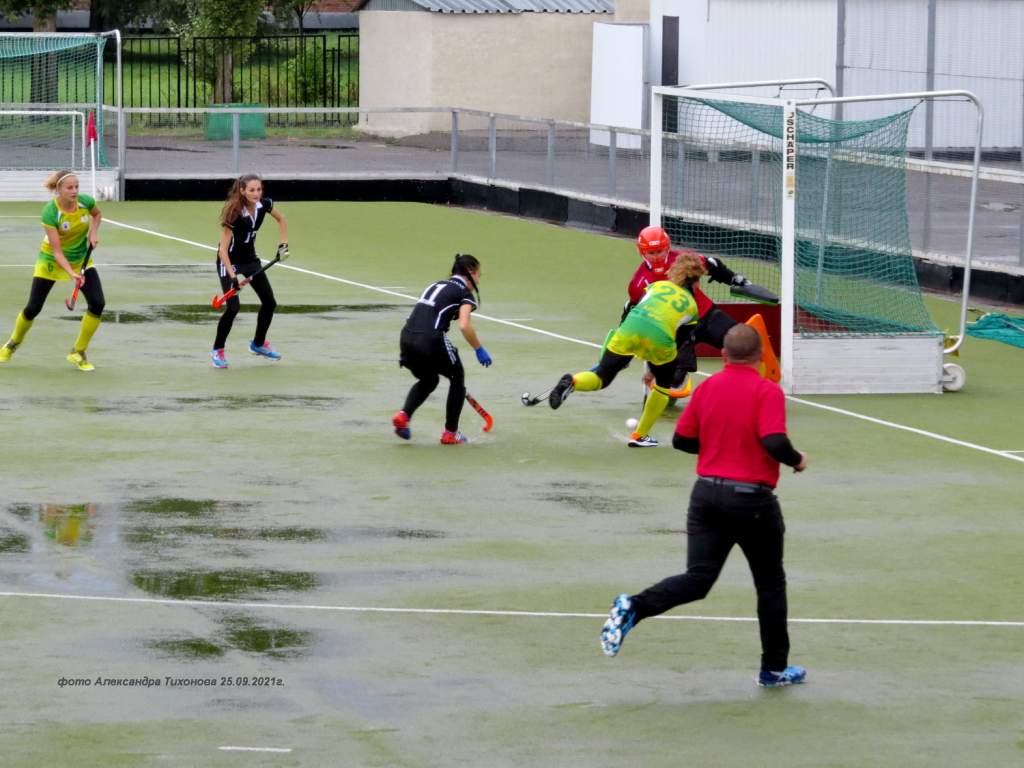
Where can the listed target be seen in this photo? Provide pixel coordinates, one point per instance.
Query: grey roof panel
(518, 6)
(564, 6)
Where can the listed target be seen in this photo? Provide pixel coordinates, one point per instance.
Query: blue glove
(483, 357)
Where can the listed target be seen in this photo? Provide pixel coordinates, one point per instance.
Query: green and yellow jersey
(649, 331)
(73, 231)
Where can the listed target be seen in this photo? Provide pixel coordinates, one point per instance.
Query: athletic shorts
(48, 268)
(644, 340)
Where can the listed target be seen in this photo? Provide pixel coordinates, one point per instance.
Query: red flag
(90, 128)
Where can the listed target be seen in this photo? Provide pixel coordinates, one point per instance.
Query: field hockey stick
(70, 302)
(488, 419)
(218, 301)
(753, 291)
(530, 400)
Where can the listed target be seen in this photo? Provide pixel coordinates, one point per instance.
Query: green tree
(44, 12)
(118, 14)
(218, 18)
(43, 88)
(283, 11)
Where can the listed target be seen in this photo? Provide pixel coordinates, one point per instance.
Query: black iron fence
(320, 70)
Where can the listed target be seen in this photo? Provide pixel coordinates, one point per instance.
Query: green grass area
(275, 485)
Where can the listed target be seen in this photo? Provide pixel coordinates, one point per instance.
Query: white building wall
(979, 47)
(532, 64)
(728, 40)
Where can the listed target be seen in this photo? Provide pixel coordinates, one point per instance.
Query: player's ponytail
(464, 265)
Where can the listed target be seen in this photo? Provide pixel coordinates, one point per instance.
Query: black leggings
(92, 289)
(612, 364)
(261, 285)
(710, 329)
(428, 356)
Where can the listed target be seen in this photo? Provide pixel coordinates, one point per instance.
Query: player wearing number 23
(428, 353)
(648, 333)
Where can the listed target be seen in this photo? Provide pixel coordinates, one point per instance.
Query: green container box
(250, 126)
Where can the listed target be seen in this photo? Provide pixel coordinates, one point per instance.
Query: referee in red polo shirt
(736, 424)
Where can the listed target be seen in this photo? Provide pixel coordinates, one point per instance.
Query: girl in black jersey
(242, 215)
(427, 352)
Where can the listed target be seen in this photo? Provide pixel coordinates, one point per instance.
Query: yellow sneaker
(78, 360)
(7, 350)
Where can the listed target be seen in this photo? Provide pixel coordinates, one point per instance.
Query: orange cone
(770, 368)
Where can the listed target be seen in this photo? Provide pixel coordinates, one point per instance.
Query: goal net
(728, 171)
(49, 73)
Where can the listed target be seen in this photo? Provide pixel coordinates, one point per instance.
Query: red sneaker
(453, 438)
(400, 421)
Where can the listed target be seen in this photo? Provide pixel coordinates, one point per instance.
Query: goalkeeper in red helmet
(648, 332)
(657, 256)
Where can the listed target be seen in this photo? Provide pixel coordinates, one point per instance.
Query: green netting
(721, 194)
(53, 73)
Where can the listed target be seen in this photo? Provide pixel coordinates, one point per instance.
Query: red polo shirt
(730, 413)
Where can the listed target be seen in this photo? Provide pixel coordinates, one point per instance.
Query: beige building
(522, 57)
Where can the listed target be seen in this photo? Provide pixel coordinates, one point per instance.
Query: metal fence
(317, 70)
(603, 164)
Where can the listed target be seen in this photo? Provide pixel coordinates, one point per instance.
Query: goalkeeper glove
(482, 357)
(282, 251)
(740, 280)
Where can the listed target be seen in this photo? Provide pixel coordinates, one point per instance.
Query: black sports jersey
(437, 306)
(242, 248)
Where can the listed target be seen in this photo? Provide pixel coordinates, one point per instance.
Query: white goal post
(819, 208)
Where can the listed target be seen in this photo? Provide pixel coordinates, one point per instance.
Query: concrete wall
(533, 64)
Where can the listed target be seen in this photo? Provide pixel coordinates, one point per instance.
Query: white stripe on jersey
(440, 314)
(450, 347)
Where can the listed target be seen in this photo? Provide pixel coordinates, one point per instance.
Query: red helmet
(653, 244)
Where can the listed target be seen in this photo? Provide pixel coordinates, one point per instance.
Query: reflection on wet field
(205, 313)
(165, 546)
(67, 524)
(214, 402)
(195, 584)
(240, 633)
(175, 535)
(13, 542)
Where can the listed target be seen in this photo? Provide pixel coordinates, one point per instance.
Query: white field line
(468, 612)
(255, 749)
(108, 265)
(831, 409)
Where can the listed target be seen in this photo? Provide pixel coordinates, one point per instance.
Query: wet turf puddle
(204, 313)
(160, 529)
(581, 496)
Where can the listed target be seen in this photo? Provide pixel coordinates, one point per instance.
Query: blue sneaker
(788, 676)
(621, 619)
(264, 351)
(217, 356)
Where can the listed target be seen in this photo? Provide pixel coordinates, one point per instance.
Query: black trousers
(428, 356)
(261, 285)
(92, 289)
(611, 365)
(719, 517)
(710, 329)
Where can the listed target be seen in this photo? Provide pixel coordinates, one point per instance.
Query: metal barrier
(602, 164)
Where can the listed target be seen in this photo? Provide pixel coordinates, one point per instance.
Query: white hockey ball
(631, 423)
